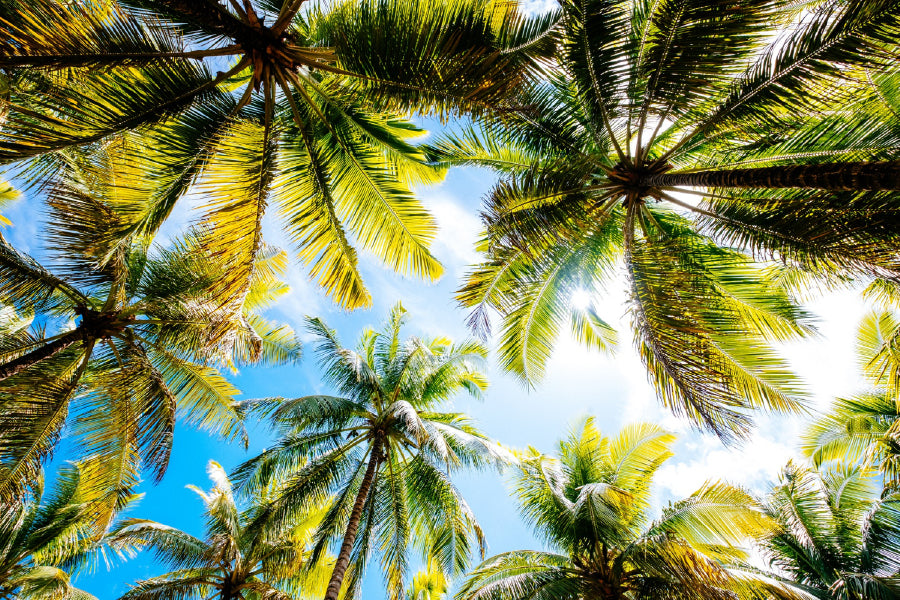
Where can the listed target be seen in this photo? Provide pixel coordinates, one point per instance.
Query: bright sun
(581, 299)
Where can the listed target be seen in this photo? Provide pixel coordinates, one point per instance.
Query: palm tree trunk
(17, 365)
(343, 559)
(853, 176)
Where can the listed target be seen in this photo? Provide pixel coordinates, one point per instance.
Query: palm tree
(233, 562)
(862, 428)
(591, 505)
(261, 99)
(838, 538)
(43, 539)
(429, 583)
(677, 137)
(866, 427)
(383, 449)
(124, 336)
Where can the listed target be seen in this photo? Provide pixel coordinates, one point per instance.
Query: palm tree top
(232, 561)
(50, 535)
(116, 335)
(591, 505)
(299, 102)
(384, 448)
(690, 142)
(838, 533)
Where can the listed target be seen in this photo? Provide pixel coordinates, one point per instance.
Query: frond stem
(111, 59)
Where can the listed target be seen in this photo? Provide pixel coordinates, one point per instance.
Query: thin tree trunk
(227, 591)
(17, 365)
(854, 176)
(117, 59)
(343, 559)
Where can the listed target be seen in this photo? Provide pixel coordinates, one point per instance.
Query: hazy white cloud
(536, 7)
(754, 465)
(457, 234)
(828, 362)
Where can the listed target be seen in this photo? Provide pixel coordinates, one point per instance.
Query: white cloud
(536, 7)
(704, 458)
(457, 234)
(828, 362)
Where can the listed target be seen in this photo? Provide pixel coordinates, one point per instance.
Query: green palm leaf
(273, 560)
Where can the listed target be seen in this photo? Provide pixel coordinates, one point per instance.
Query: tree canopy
(117, 338)
(591, 505)
(687, 140)
(722, 161)
(263, 102)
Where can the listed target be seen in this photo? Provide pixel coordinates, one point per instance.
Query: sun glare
(581, 299)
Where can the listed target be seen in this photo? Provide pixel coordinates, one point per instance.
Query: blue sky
(614, 389)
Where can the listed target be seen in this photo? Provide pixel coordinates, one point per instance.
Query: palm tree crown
(234, 561)
(591, 505)
(256, 100)
(144, 334)
(838, 538)
(677, 137)
(45, 537)
(383, 448)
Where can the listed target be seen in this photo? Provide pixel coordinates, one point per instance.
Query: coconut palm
(839, 537)
(429, 583)
(233, 562)
(591, 505)
(44, 538)
(866, 426)
(262, 99)
(383, 448)
(676, 137)
(123, 337)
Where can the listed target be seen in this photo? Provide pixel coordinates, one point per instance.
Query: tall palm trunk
(46, 351)
(343, 559)
(856, 176)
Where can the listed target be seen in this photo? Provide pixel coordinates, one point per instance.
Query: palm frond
(237, 181)
(685, 334)
(47, 34)
(441, 56)
(97, 106)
